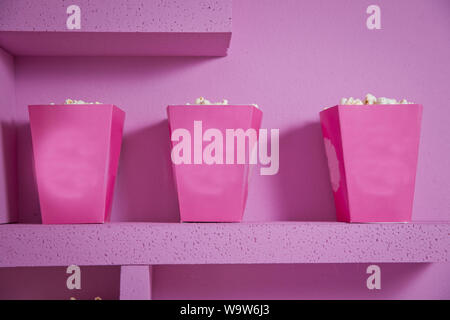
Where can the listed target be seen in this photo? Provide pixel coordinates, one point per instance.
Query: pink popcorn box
(210, 191)
(76, 152)
(372, 153)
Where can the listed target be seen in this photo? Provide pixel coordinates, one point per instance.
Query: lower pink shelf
(222, 243)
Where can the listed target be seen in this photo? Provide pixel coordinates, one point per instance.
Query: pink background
(292, 58)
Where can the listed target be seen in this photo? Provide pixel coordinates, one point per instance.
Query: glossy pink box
(76, 152)
(213, 192)
(372, 156)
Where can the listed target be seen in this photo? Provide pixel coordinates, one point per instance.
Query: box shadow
(304, 184)
(145, 183)
(9, 144)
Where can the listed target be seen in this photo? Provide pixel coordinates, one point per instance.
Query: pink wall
(292, 58)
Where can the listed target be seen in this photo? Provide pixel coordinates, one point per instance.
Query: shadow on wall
(304, 185)
(145, 183)
(29, 211)
(49, 283)
(9, 143)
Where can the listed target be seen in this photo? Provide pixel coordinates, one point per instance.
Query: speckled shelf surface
(116, 27)
(222, 243)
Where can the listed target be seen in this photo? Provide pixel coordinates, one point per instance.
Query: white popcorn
(203, 101)
(382, 100)
(392, 101)
(70, 101)
(370, 99)
(224, 102)
(200, 100)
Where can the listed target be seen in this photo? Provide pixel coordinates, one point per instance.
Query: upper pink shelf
(222, 243)
(116, 27)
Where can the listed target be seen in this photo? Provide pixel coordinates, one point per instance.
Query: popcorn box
(76, 152)
(372, 153)
(212, 192)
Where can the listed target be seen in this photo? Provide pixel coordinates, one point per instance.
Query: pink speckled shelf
(213, 243)
(116, 28)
